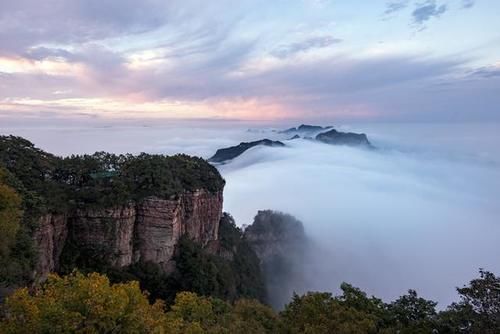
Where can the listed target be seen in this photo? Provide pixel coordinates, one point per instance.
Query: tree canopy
(103, 179)
(89, 303)
(80, 303)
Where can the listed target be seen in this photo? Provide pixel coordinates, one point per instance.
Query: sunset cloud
(258, 60)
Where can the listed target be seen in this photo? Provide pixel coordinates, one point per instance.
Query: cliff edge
(109, 210)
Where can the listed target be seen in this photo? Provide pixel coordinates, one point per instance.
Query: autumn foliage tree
(82, 304)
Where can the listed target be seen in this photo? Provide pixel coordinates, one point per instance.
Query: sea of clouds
(422, 211)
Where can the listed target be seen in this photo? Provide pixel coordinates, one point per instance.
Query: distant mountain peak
(306, 129)
(335, 137)
(229, 153)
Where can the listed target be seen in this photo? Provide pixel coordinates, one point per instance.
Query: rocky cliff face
(281, 245)
(109, 230)
(275, 234)
(49, 240)
(160, 224)
(136, 232)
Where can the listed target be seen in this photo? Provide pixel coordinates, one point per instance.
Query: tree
(16, 252)
(318, 313)
(479, 308)
(252, 317)
(199, 314)
(357, 299)
(83, 304)
(413, 314)
(10, 217)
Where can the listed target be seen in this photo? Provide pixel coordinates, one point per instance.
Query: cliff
(101, 211)
(274, 234)
(281, 245)
(145, 231)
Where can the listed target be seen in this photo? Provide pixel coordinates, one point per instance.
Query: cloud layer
(386, 221)
(421, 212)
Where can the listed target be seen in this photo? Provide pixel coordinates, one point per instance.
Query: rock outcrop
(274, 234)
(136, 232)
(326, 135)
(160, 224)
(49, 240)
(305, 130)
(335, 137)
(228, 153)
(281, 245)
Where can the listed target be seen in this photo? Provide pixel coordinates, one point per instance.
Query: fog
(385, 221)
(419, 212)
(66, 137)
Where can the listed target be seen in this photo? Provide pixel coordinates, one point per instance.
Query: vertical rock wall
(136, 232)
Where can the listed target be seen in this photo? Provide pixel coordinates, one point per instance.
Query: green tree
(357, 299)
(479, 308)
(16, 251)
(318, 313)
(252, 317)
(413, 314)
(10, 217)
(197, 314)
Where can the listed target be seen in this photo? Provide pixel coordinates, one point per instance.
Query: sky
(317, 60)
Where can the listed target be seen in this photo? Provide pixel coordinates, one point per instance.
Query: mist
(420, 212)
(388, 220)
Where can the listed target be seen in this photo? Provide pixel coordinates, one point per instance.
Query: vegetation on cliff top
(91, 304)
(275, 224)
(103, 179)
